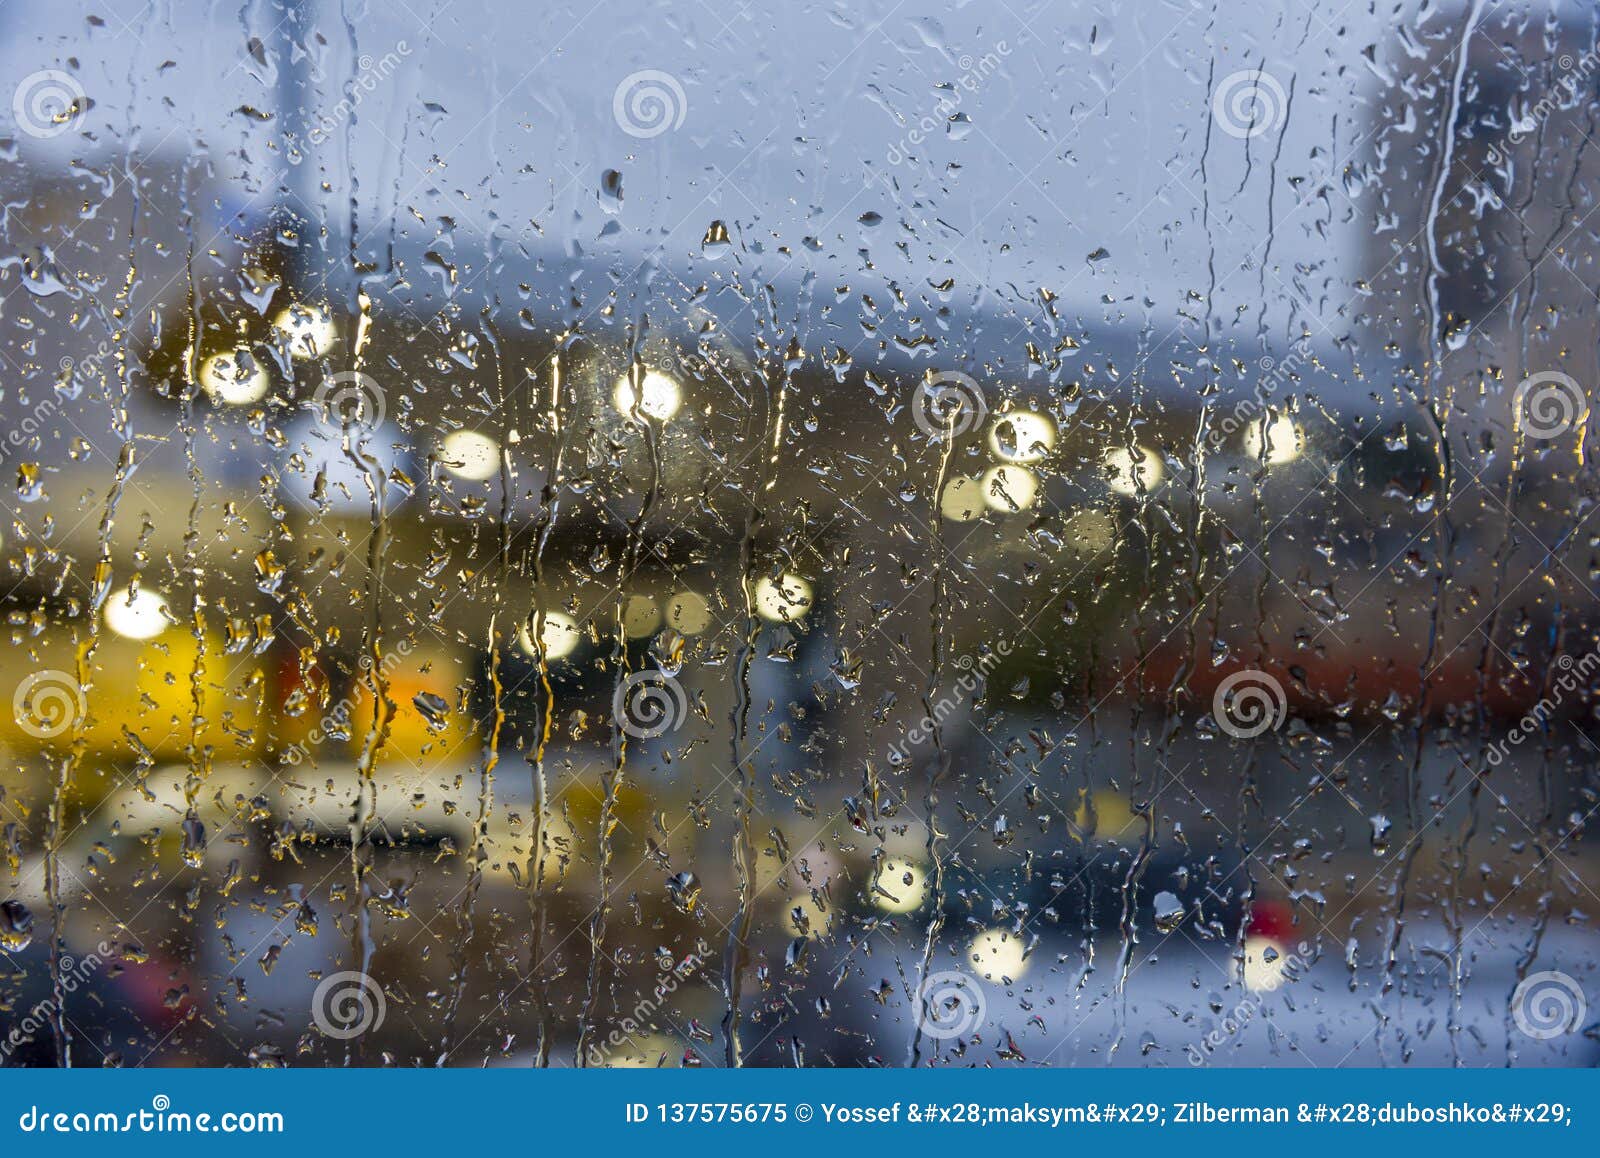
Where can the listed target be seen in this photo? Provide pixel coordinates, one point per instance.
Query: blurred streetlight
(1285, 439)
(1022, 437)
(309, 330)
(470, 455)
(998, 953)
(658, 397)
(560, 636)
(235, 378)
(1126, 477)
(1009, 489)
(138, 614)
(688, 613)
(783, 601)
(962, 500)
(900, 886)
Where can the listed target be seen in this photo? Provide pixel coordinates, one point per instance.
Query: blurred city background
(706, 534)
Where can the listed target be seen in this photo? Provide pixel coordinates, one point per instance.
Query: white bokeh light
(659, 396)
(138, 614)
(784, 600)
(1264, 964)
(309, 330)
(1127, 478)
(560, 634)
(1022, 437)
(1285, 441)
(900, 886)
(235, 378)
(1009, 489)
(470, 455)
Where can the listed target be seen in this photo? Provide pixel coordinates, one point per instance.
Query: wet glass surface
(698, 535)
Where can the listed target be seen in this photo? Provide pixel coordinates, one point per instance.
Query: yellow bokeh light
(640, 616)
(136, 615)
(1285, 439)
(688, 613)
(659, 397)
(900, 886)
(1126, 477)
(235, 378)
(309, 330)
(962, 500)
(1022, 437)
(470, 455)
(817, 920)
(997, 953)
(784, 600)
(560, 635)
(1009, 489)
(1091, 532)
